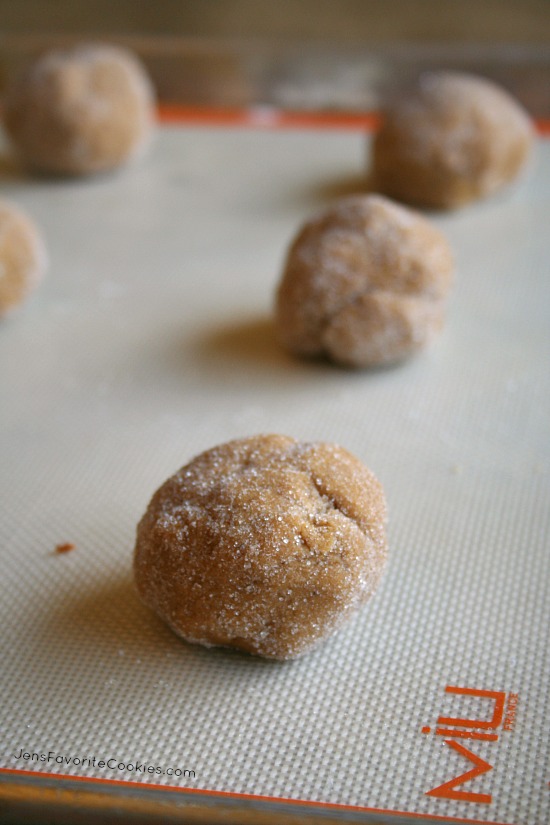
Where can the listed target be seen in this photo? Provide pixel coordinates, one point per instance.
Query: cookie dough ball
(265, 544)
(364, 284)
(85, 110)
(450, 140)
(23, 257)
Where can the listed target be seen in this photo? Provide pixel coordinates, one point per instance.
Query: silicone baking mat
(151, 340)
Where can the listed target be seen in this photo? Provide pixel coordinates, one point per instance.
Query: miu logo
(503, 712)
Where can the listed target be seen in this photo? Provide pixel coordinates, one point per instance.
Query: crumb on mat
(65, 547)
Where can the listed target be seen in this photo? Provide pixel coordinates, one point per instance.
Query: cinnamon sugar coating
(364, 284)
(264, 544)
(23, 258)
(88, 109)
(450, 140)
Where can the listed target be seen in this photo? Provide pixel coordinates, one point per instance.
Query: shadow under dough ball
(451, 139)
(85, 110)
(23, 257)
(364, 284)
(264, 544)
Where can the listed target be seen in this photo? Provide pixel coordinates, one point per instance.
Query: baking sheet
(151, 340)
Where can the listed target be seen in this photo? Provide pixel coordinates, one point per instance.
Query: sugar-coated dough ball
(364, 284)
(88, 109)
(265, 544)
(23, 258)
(450, 140)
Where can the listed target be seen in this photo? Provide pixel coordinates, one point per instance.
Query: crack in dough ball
(264, 544)
(364, 284)
(450, 140)
(85, 110)
(23, 258)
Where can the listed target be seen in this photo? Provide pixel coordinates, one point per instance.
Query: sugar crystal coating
(451, 139)
(364, 284)
(265, 544)
(23, 258)
(84, 110)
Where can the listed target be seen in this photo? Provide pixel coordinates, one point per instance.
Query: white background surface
(150, 341)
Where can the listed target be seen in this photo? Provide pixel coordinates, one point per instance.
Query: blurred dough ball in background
(23, 258)
(450, 139)
(87, 109)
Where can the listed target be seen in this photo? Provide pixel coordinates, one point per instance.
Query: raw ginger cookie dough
(451, 139)
(23, 258)
(265, 544)
(364, 284)
(88, 109)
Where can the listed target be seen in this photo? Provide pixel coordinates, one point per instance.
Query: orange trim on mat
(336, 806)
(272, 118)
(264, 117)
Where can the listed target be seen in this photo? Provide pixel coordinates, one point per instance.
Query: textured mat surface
(151, 340)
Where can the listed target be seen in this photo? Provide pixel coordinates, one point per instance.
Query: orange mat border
(268, 117)
(330, 806)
